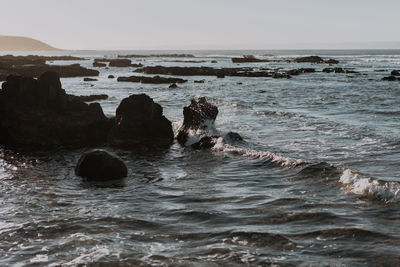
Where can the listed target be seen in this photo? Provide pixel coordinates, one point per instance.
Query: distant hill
(16, 43)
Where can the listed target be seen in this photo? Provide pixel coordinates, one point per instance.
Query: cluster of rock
(147, 79)
(38, 114)
(339, 70)
(393, 76)
(34, 66)
(119, 63)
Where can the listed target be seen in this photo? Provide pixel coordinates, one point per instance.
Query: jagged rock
(155, 79)
(39, 114)
(199, 115)
(99, 165)
(139, 122)
(89, 80)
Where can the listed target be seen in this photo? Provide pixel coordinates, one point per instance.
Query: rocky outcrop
(390, 78)
(39, 114)
(154, 79)
(140, 122)
(99, 165)
(248, 59)
(198, 116)
(295, 72)
(339, 70)
(315, 59)
(34, 66)
(99, 64)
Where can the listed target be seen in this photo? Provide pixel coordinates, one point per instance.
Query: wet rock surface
(315, 59)
(140, 122)
(39, 114)
(100, 165)
(196, 116)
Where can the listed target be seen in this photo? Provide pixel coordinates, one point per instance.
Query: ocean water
(315, 182)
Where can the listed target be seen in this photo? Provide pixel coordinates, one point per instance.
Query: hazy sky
(200, 24)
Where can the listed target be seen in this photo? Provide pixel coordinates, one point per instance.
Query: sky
(204, 24)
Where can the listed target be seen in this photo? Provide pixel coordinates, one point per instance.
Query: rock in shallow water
(139, 122)
(196, 116)
(99, 165)
(39, 114)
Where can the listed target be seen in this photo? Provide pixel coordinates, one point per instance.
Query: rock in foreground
(39, 114)
(140, 122)
(99, 165)
(199, 115)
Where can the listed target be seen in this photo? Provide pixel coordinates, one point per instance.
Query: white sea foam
(262, 155)
(364, 185)
(207, 129)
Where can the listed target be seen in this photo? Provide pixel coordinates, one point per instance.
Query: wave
(363, 185)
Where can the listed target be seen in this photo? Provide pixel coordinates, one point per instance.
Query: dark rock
(220, 75)
(196, 116)
(172, 86)
(89, 98)
(327, 70)
(395, 73)
(156, 55)
(120, 63)
(89, 80)
(248, 59)
(277, 75)
(332, 61)
(39, 114)
(154, 80)
(199, 81)
(137, 65)
(390, 78)
(189, 71)
(99, 64)
(111, 76)
(232, 136)
(206, 142)
(214, 61)
(315, 59)
(310, 59)
(99, 165)
(139, 122)
(295, 72)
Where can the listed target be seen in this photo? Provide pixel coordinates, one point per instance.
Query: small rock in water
(111, 76)
(205, 143)
(395, 73)
(99, 165)
(234, 136)
(89, 80)
(173, 86)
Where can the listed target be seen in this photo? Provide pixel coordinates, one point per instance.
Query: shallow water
(316, 181)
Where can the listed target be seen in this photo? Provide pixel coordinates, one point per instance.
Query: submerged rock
(199, 115)
(139, 122)
(99, 165)
(39, 114)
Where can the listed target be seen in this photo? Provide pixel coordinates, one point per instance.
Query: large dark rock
(99, 165)
(39, 114)
(199, 115)
(390, 78)
(154, 80)
(139, 122)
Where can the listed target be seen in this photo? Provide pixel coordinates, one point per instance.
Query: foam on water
(363, 185)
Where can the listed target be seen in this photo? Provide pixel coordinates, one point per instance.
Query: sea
(315, 182)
